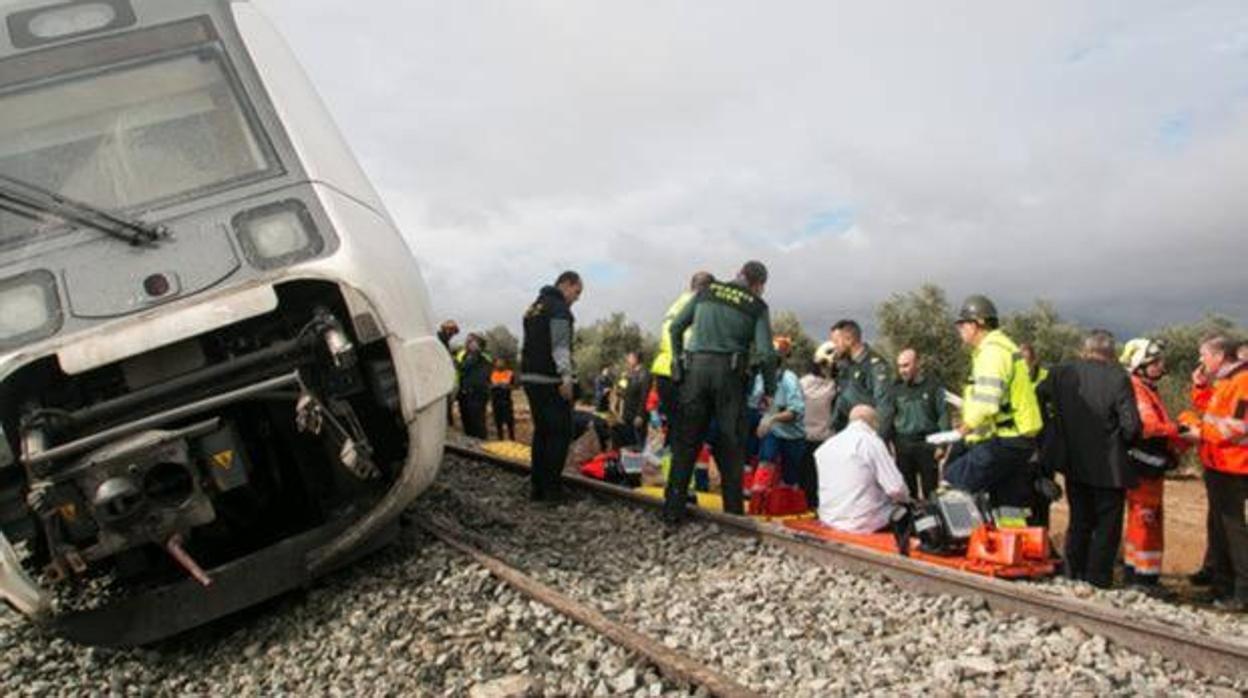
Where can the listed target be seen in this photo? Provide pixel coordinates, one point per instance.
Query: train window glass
(130, 136)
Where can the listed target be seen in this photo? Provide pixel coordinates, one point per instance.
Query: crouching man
(859, 484)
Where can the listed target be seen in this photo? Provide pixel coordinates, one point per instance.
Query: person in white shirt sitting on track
(859, 484)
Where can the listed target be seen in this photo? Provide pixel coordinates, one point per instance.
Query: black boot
(1202, 577)
(1232, 604)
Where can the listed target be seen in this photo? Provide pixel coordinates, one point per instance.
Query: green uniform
(727, 319)
(920, 408)
(730, 324)
(865, 379)
(999, 400)
(920, 411)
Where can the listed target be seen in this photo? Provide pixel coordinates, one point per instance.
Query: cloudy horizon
(1089, 155)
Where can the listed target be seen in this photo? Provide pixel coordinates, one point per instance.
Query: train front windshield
(129, 136)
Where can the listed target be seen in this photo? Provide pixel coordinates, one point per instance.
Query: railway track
(1204, 653)
(674, 665)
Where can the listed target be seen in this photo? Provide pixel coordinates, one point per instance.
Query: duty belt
(736, 360)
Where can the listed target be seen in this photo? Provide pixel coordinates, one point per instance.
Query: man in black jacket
(1096, 421)
(547, 374)
(474, 367)
(634, 388)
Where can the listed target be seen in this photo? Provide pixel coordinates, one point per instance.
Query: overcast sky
(1091, 153)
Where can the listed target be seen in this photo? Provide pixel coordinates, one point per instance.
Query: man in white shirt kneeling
(859, 484)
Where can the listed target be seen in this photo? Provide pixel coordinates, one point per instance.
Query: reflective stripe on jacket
(999, 400)
(1159, 436)
(662, 364)
(1153, 416)
(1224, 423)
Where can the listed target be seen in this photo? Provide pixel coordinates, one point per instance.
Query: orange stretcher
(1007, 551)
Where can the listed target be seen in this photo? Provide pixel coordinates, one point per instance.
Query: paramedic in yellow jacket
(1000, 414)
(661, 367)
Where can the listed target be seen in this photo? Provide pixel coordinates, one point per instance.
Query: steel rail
(670, 663)
(1209, 655)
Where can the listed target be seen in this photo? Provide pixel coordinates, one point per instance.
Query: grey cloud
(983, 146)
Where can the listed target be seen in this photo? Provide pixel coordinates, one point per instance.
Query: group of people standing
(482, 381)
(1112, 437)
(855, 435)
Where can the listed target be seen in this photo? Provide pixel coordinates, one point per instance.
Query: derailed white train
(218, 373)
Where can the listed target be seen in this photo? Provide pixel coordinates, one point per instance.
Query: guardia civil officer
(1000, 413)
(921, 411)
(863, 378)
(731, 324)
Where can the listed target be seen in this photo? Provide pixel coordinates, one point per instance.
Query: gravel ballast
(420, 619)
(784, 625)
(415, 619)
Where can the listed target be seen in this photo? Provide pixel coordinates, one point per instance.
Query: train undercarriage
(143, 496)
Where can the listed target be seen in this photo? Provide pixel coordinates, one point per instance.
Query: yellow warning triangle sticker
(224, 459)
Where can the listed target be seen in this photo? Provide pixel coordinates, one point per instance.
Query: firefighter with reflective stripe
(1156, 452)
(1000, 414)
(1220, 426)
(731, 324)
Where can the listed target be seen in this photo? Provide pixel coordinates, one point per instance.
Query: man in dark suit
(1096, 420)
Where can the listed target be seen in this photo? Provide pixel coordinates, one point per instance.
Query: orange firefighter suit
(1157, 451)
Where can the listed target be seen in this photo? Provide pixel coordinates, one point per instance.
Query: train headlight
(71, 20)
(278, 234)
(30, 308)
(66, 20)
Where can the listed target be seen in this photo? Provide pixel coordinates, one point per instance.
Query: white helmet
(825, 354)
(1140, 352)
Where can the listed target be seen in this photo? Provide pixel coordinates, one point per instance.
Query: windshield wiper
(28, 198)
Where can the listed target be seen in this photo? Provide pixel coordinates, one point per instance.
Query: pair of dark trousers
(1228, 532)
(808, 477)
(1094, 533)
(504, 414)
(472, 408)
(552, 435)
(916, 459)
(1001, 467)
(713, 388)
(669, 403)
(625, 435)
